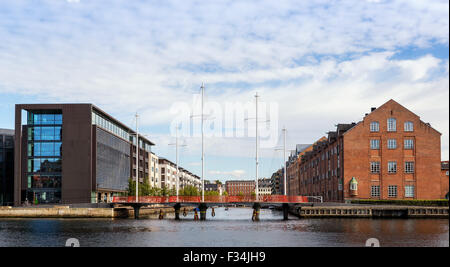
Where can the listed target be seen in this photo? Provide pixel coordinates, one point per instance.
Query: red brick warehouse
(390, 154)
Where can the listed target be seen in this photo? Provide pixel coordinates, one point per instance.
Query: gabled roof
(392, 101)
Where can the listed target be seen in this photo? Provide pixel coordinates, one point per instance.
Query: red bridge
(212, 199)
(178, 201)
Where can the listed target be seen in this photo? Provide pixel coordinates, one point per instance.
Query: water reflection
(228, 228)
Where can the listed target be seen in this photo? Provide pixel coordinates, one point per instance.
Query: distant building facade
(264, 187)
(277, 182)
(6, 167)
(213, 186)
(240, 187)
(390, 154)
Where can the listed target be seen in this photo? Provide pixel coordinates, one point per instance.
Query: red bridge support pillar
(177, 208)
(285, 211)
(203, 207)
(256, 211)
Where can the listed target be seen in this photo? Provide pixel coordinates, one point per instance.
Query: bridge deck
(212, 200)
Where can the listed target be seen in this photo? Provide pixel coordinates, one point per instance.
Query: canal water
(230, 228)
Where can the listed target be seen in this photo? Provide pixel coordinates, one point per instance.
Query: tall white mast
(284, 157)
(137, 159)
(176, 149)
(203, 146)
(257, 147)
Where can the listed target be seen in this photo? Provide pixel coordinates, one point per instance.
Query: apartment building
(264, 187)
(277, 182)
(155, 174)
(240, 187)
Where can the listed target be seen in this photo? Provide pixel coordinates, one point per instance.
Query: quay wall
(70, 212)
(370, 212)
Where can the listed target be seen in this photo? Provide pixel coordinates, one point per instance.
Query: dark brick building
(73, 153)
(390, 154)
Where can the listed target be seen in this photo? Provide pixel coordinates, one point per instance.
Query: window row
(392, 144)
(408, 126)
(109, 126)
(44, 181)
(48, 149)
(45, 133)
(392, 167)
(44, 119)
(392, 191)
(42, 165)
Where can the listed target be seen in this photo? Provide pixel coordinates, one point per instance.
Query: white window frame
(375, 144)
(392, 143)
(375, 167)
(409, 166)
(392, 164)
(409, 191)
(409, 126)
(392, 191)
(409, 144)
(392, 125)
(374, 126)
(375, 191)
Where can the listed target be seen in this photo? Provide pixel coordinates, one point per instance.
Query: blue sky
(322, 62)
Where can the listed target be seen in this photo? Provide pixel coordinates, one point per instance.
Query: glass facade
(44, 156)
(109, 126)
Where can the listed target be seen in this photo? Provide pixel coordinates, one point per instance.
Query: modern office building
(73, 153)
(390, 154)
(6, 167)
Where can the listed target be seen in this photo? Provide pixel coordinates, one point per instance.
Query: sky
(318, 63)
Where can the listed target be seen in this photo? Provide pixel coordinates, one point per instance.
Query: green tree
(212, 193)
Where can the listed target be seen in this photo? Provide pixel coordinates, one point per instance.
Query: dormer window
(392, 125)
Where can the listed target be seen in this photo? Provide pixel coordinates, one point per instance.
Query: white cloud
(315, 58)
(235, 173)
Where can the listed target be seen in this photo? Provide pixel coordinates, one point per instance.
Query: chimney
(372, 109)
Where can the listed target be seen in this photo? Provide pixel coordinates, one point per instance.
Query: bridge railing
(212, 199)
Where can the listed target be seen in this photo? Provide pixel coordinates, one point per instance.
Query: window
(392, 191)
(409, 191)
(409, 167)
(409, 126)
(392, 143)
(392, 125)
(409, 144)
(375, 191)
(375, 126)
(375, 144)
(392, 167)
(375, 167)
